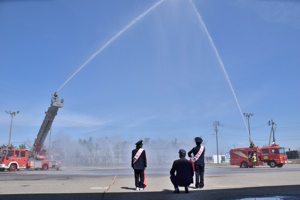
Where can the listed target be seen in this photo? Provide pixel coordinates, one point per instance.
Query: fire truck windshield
(2, 153)
(55, 158)
(281, 151)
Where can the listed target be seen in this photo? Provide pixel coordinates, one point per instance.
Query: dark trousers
(139, 177)
(199, 171)
(180, 181)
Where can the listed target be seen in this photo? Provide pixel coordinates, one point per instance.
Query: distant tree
(174, 142)
(22, 146)
(146, 140)
(90, 144)
(5, 146)
(28, 144)
(82, 141)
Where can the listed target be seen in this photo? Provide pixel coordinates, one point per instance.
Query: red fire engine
(273, 155)
(12, 159)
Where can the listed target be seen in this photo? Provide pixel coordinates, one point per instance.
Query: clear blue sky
(160, 78)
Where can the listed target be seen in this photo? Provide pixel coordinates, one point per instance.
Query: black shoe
(186, 190)
(176, 190)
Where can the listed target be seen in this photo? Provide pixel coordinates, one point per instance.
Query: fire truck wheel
(2, 169)
(244, 165)
(45, 167)
(272, 164)
(279, 165)
(12, 167)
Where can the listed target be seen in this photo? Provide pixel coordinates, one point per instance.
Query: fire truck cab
(13, 159)
(56, 157)
(274, 156)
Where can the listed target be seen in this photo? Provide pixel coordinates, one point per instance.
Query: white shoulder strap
(199, 153)
(137, 155)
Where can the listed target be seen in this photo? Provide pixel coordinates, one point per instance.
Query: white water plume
(114, 151)
(111, 40)
(220, 61)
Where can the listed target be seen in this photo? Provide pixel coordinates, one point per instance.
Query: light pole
(12, 114)
(216, 124)
(248, 115)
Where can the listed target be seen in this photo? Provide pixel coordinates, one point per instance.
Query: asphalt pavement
(221, 182)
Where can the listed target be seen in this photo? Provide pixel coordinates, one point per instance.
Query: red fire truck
(273, 155)
(12, 159)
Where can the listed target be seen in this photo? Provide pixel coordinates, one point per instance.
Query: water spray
(219, 59)
(111, 40)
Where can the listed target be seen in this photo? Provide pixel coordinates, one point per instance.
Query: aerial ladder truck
(12, 159)
(37, 152)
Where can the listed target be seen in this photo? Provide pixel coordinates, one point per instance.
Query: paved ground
(221, 182)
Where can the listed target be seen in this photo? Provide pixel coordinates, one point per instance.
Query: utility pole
(272, 131)
(12, 114)
(248, 115)
(216, 124)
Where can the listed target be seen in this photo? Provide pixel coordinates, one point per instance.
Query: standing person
(254, 160)
(184, 172)
(198, 153)
(55, 96)
(139, 164)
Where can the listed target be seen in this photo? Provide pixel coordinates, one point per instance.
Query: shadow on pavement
(292, 191)
(128, 188)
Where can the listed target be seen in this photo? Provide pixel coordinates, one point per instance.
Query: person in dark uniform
(184, 172)
(55, 96)
(139, 164)
(198, 153)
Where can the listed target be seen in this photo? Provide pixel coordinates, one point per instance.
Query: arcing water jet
(111, 40)
(220, 61)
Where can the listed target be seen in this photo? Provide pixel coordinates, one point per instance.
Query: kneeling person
(184, 172)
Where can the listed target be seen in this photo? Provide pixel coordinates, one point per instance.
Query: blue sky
(160, 78)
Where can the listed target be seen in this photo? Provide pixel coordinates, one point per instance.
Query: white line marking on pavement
(99, 188)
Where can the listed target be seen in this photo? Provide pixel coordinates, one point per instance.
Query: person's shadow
(164, 190)
(128, 188)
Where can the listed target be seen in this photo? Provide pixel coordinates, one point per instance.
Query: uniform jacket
(194, 151)
(141, 162)
(183, 168)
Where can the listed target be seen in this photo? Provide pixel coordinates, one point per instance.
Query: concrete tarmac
(221, 182)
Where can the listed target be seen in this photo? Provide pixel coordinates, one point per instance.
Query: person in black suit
(139, 164)
(198, 160)
(184, 172)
